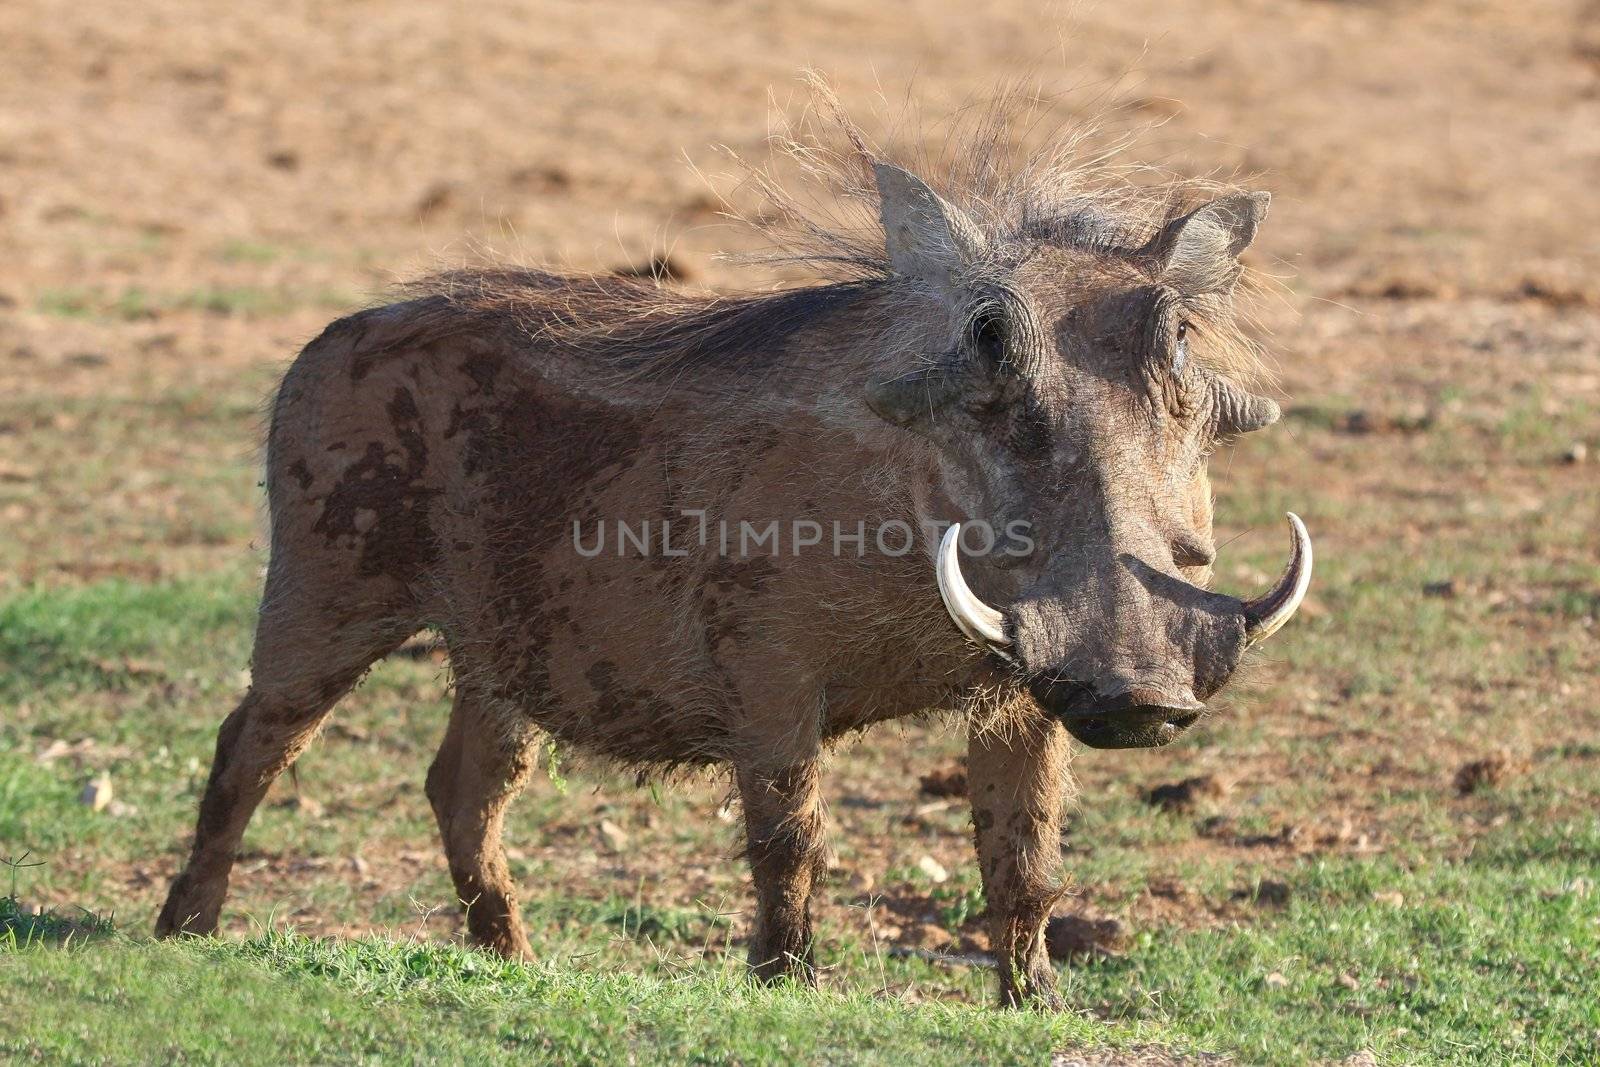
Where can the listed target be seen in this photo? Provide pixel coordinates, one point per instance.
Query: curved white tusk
(977, 620)
(1265, 615)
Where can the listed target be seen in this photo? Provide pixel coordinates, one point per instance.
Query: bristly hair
(1021, 180)
(1021, 185)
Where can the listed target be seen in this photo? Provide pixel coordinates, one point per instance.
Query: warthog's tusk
(1266, 614)
(977, 620)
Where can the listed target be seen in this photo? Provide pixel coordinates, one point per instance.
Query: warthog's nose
(1148, 698)
(1118, 716)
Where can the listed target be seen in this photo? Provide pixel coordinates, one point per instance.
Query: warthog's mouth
(1134, 728)
(1140, 717)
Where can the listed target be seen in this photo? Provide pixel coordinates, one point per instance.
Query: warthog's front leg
(783, 824)
(1018, 778)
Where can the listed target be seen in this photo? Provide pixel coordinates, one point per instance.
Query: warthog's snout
(1112, 710)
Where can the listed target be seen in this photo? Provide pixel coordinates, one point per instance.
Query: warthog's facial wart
(1076, 379)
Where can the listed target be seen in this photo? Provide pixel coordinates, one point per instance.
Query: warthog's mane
(631, 324)
(1066, 191)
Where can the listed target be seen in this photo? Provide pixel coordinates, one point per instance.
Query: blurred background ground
(189, 191)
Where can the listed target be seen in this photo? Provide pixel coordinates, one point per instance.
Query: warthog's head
(1075, 375)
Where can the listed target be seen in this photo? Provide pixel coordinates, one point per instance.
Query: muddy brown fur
(427, 463)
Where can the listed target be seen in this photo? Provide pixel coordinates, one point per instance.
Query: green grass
(1488, 958)
(115, 635)
(282, 998)
(22, 928)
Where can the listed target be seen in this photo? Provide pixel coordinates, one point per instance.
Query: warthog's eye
(988, 333)
(1181, 391)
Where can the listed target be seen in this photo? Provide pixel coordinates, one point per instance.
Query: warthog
(1046, 364)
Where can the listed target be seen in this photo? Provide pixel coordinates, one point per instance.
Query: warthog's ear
(1198, 252)
(927, 237)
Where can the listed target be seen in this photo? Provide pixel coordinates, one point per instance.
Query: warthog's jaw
(1126, 716)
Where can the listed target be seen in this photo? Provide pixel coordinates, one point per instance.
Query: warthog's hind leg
(478, 772)
(301, 667)
(1018, 778)
(784, 828)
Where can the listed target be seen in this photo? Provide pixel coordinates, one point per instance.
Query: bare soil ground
(189, 192)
